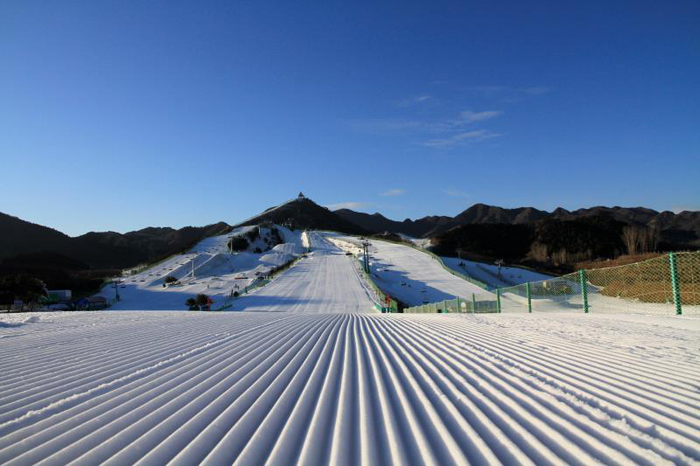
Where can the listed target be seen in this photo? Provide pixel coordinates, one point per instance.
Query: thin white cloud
(469, 116)
(536, 90)
(455, 193)
(384, 125)
(415, 100)
(489, 90)
(509, 93)
(393, 192)
(393, 125)
(347, 205)
(476, 135)
(465, 118)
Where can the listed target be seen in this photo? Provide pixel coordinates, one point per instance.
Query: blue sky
(120, 115)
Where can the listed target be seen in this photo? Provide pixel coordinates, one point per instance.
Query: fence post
(529, 297)
(498, 300)
(474, 302)
(459, 308)
(674, 283)
(584, 289)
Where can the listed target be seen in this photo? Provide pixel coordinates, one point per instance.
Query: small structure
(301, 195)
(58, 296)
(92, 303)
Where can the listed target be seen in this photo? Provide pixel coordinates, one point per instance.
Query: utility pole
(116, 289)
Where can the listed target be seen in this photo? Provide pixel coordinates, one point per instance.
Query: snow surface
(410, 275)
(325, 281)
(597, 303)
(415, 277)
(252, 388)
(488, 273)
(217, 272)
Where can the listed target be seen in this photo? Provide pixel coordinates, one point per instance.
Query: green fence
(473, 305)
(668, 284)
(382, 301)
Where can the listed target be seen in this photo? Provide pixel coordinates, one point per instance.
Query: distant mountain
(427, 227)
(303, 213)
(482, 213)
(377, 223)
(106, 250)
(19, 236)
(46, 252)
(546, 243)
(148, 244)
(25, 242)
(676, 230)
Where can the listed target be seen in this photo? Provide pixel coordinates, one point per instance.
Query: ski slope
(348, 389)
(489, 273)
(324, 281)
(410, 275)
(217, 272)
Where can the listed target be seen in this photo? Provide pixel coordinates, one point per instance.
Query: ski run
(304, 371)
(253, 388)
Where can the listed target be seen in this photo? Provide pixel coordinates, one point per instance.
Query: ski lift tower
(499, 263)
(116, 282)
(365, 251)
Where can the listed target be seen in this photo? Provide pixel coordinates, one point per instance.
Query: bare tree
(640, 240)
(649, 239)
(561, 257)
(631, 238)
(538, 252)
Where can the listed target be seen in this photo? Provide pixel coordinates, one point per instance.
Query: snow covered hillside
(210, 268)
(489, 273)
(410, 275)
(325, 281)
(252, 388)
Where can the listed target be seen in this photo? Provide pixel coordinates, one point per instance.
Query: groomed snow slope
(488, 273)
(413, 276)
(325, 281)
(218, 272)
(190, 387)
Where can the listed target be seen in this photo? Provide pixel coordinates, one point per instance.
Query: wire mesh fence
(669, 284)
(688, 267)
(474, 305)
(382, 301)
(556, 294)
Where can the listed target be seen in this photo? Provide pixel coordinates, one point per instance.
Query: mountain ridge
(685, 224)
(112, 250)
